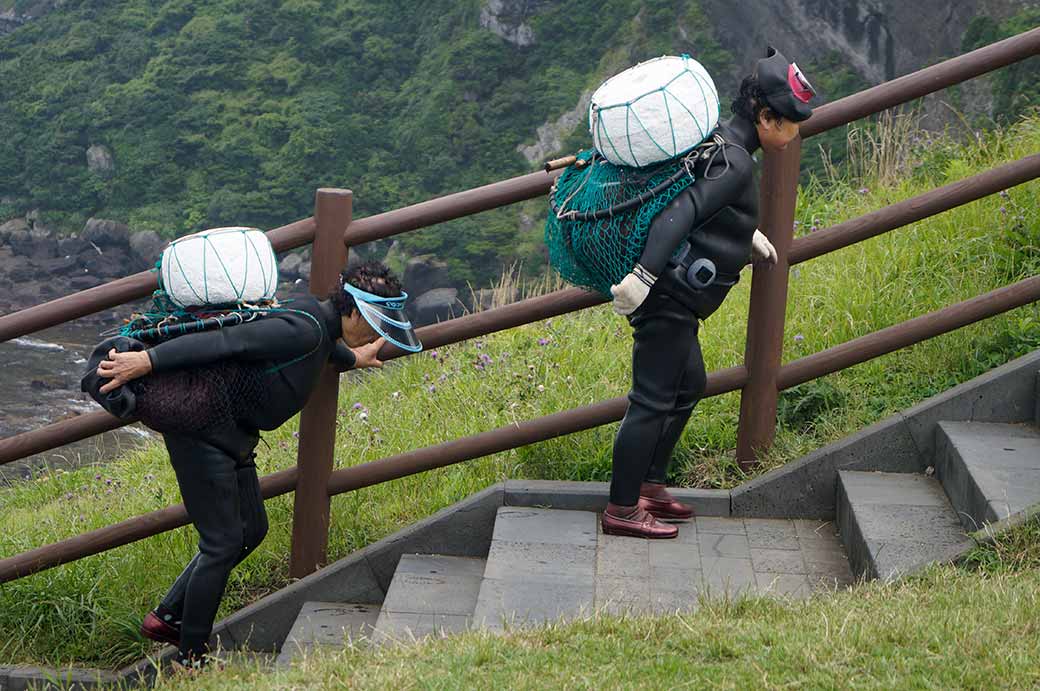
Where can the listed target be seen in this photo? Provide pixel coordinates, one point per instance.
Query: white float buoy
(222, 266)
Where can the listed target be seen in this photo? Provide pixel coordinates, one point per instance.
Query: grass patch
(87, 612)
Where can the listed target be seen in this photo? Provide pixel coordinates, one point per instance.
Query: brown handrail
(122, 290)
(400, 465)
(922, 82)
(473, 325)
(909, 332)
(914, 209)
(450, 207)
(121, 533)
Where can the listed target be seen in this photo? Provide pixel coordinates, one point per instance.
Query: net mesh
(597, 254)
(200, 399)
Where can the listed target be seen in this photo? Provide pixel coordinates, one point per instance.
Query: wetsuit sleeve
(274, 338)
(694, 205)
(342, 358)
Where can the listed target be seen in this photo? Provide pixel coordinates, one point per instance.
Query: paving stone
(509, 560)
(676, 555)
(777, 561)
(771, 533)
(678, 580)
(726, 526)
(784, 584)
(671, 602)
(722, 545)
(551, 526)
(814, 529)
(405, 627)
(726, 576)
(327, 624)
(433, 584)
(622, 595)
(514, 603)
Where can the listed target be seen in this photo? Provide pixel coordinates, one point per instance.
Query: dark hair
(371, 277)
(751, 102)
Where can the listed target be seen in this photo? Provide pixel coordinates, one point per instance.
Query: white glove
(761, 249)
(632, 291)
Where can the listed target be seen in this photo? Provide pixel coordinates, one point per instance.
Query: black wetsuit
(717, 215)
(215, 470)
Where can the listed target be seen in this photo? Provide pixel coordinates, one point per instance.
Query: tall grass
(87, 612)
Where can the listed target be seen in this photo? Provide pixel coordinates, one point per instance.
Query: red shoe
(640, 523)
(158, 630)
(655, 499)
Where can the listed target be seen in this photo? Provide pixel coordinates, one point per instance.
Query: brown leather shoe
(657, 500)
(158, 630)
(639, 523)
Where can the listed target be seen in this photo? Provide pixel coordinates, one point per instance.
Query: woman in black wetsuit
(665, 295)
(215, 466)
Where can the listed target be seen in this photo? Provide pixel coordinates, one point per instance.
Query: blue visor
(386, 316)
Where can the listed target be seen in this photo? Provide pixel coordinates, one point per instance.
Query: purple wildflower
(434, 354)
(1003, 210)
(478, 366)
(543, 341)
(296, 435)
(432, 388)
(485, 358)
(357, 406)
(798, 338)
(443, 377)
(814, 228)
(98, 476)
(863, 190)
(1005, 194)
(478, 344)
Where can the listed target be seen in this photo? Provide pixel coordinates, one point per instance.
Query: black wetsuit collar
(741, 131)
(333, 324)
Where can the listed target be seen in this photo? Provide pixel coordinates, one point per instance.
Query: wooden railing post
(765, 330)
(333, 209)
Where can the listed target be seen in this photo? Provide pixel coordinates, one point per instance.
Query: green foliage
(800, 407)
(1015, 88)
(234, 111)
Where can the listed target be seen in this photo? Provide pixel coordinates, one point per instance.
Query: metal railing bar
(534, 309)
(122, 290)
(922, 82)
(450, 207)
(401, 465)
(122, 533)
(914, 209)
(58, 434)
(907, 333)
(505, 438)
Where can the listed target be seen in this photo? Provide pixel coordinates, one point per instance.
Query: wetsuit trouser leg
(667, 381)
(221, 493)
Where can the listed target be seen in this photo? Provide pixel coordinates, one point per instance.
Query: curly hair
(372, 277)
(751, 102)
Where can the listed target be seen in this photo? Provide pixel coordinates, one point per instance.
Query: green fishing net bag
(598, 253)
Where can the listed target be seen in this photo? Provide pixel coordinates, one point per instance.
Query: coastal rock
(289, 267)
(146, 247)
(37, 244)
(551, 134)
(507, 19)
(423, 273)
(15, 225)
(439, 304)
(105, 233)
(99, 160)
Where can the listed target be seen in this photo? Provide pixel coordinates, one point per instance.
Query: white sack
(654, 111)
(219, 266)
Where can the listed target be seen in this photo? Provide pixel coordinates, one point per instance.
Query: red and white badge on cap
(800, 86)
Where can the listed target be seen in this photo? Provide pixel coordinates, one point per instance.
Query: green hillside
(234, 111)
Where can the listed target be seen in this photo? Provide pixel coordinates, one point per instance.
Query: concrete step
(718, 557)
(894, 524)
(429, 594)
(541, 566)
(990, 471)
(327, 624)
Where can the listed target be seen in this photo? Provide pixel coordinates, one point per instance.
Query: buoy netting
(654, 111)
(222, 266)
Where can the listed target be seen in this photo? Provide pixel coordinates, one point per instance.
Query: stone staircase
(550, 564)
(894, 524)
